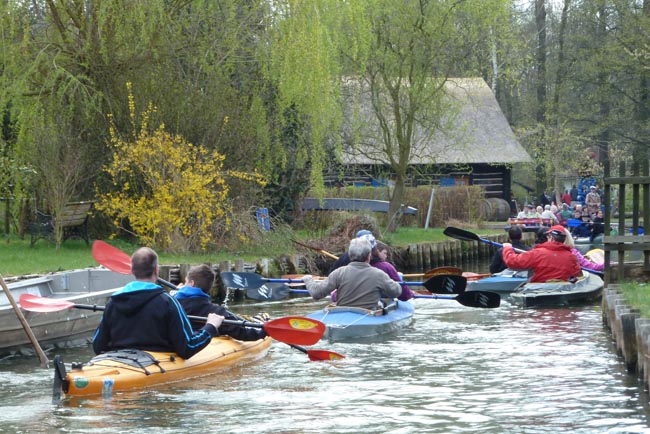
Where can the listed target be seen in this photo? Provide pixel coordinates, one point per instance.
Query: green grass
(638, 296)
(18, 258)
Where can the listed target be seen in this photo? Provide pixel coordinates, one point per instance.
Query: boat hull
(504, 282)
(348, 323)
(92, 286)
(560, 294)
(105, 376)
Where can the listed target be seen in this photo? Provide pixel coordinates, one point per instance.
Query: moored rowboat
(123, 370)
(353, 322)
(587, 289)
(92, 286)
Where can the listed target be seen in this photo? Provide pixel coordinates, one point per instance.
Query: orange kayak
(116, 371)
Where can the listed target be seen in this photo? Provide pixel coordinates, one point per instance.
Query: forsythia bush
(172, 193)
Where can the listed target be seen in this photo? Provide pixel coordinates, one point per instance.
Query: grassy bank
(638, 296)
(18, 258)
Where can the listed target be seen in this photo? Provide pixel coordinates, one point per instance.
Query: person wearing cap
(357, 284)
(344, 259)
(551, 260)
(592, 200)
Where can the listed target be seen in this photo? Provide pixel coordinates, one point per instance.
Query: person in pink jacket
(584, 262)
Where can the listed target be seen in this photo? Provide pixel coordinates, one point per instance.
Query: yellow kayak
(134, 369)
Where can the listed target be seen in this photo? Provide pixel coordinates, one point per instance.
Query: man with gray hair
(357, 284)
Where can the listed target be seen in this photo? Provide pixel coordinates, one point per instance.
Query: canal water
(456, 370)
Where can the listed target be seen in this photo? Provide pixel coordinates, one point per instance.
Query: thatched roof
(480, 133)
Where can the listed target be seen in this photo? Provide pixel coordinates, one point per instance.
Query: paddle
(463, 235)
(45, 362)
(439, 284)
(436, 271)
(294, 330)
(471, 298)
(116, 260)
(481, 299)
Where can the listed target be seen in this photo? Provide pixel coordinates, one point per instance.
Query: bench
(74, 221)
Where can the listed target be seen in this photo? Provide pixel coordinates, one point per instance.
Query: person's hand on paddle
(215, 320)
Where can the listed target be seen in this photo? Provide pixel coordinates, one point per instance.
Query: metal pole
(426, 224)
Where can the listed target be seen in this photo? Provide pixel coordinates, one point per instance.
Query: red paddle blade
(323, 355)
(111, 257)
(295, 330)
(34, 303)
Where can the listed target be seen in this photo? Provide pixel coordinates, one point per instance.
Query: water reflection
(456, 370)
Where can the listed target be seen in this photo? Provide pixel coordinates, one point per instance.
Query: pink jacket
(586, 263)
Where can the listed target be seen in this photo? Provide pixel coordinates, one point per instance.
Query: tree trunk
(540, 24)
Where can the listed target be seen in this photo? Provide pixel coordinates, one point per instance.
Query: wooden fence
(632, 232)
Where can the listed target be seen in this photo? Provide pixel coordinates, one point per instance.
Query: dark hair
(143, 263)
(540, 235)
(515, 232)
(203, 277)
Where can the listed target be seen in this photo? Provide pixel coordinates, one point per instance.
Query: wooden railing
(632, 231)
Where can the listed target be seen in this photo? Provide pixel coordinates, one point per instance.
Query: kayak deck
(559, 294)
(344, 322)
(134, 369)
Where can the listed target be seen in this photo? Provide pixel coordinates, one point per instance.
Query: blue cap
(363, 232)
(367, 235)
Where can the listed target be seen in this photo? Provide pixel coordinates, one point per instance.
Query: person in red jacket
(551, 260)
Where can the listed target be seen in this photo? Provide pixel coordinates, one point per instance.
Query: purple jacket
(389, 269)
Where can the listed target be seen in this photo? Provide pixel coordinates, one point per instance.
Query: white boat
(90, 286)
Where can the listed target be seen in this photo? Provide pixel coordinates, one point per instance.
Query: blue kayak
(503, 282)
(354, 322)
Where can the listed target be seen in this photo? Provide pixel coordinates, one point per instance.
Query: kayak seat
(361, 310)
(368, 312)
(136, 358)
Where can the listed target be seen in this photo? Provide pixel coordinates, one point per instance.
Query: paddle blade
(323, 355)
(446, 284)
(111, 257)
(34, 303)
(241, 280)
(295, 330)
(460, 234)
(269, 291)
(443, 270)
(481, 299)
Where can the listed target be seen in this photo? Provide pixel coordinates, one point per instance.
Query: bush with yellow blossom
(170, 193)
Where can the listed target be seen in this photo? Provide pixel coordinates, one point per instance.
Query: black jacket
(497, 263)
(143, 316)
(198, 305)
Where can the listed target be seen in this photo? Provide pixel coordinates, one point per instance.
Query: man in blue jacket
(143, 316)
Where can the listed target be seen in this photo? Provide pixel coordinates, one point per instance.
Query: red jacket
(549, 260)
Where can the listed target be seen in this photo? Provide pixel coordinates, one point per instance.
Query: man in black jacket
(195, 299)
(514, 233)
(143, 316)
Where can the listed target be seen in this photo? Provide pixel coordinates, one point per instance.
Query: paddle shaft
(96, 308)
(45, 362)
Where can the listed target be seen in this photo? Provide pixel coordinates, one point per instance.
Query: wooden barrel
(495, 209)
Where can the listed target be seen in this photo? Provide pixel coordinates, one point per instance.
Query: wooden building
(480, 149)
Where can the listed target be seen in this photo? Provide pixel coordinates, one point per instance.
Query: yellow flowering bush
(172, 193)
